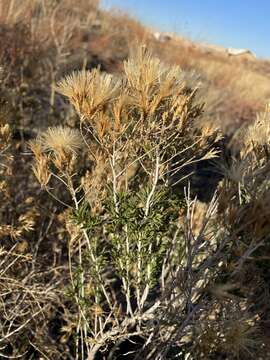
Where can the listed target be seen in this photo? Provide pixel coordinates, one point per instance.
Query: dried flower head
(259, 132)
(150, 80)
(5, 135)
(240, 337)
(41, 170)
(89, 91)
(237, 170)
(61, 140)
(143, 69)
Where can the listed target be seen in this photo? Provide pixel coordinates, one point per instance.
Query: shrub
(138, 264)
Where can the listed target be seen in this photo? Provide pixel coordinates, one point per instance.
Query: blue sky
(230, 23)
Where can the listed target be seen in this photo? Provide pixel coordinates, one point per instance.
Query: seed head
(150, 80)
(61, 140)
(89, 91)
(259, 132)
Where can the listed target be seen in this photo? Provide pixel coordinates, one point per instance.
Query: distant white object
(243, 53)
(162, 37)
(237, 52)
(156, 35)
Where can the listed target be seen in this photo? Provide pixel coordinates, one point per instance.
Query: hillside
(72, 35)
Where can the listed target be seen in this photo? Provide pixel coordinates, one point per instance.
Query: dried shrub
(142, 265)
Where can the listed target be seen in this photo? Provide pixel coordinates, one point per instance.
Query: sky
(229, 23)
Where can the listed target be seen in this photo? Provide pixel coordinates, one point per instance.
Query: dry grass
(233, 89)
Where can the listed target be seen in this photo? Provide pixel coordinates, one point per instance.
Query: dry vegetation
(133, 224)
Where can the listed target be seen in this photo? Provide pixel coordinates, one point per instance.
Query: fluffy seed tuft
(89, 91)
(60, 140)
